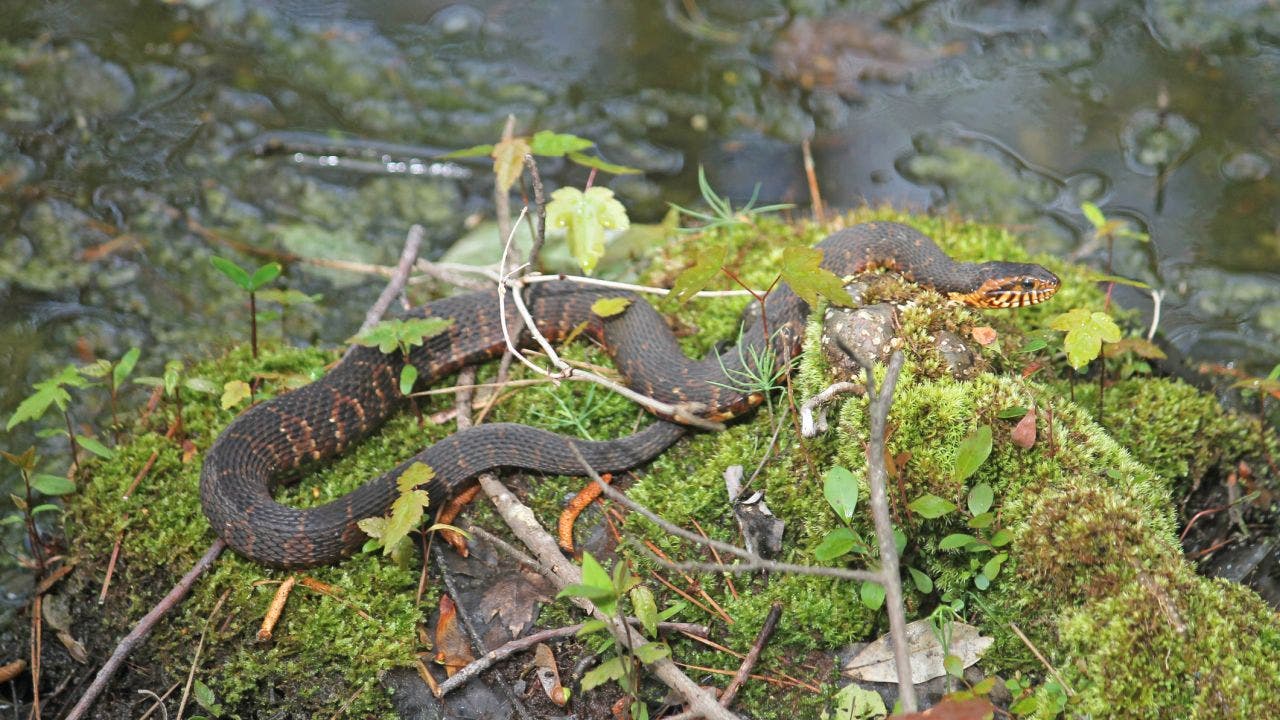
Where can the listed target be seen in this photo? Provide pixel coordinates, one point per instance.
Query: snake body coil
(351, 401)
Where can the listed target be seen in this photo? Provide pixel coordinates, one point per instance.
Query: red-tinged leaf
(1031, 369)
(1138, 346)
(452, 649)
(951, 709)
(1024, 433)
(984, 335)
(508, 161)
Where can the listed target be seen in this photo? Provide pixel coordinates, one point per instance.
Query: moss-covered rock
(1078, 550)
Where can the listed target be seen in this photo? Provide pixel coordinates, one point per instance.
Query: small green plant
(508, 155)
(173, 381)
(391, 533)
(571, 417)
(401, 336)
(585, 216)
(54, 392)
(250, 283)
(114, 374)
(35, 485)
(610, 594)
(722, 213)
(985, 556)
(1048, 700)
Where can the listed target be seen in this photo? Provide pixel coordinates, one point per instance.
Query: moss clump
(1092, 573)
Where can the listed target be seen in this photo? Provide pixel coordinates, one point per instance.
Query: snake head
(1011, 285)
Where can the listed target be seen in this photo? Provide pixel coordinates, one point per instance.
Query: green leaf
(237, 274)
(836, 543)
(802, 270)
(980, 498)
(652, 652)
(646, 609)
(264, 275)
(206, 698)
(1001, 538)
(1034, 345)
(392, 335)
(1093, 214)
(36, 405)
(981, 520)
(840, 488)
(590, 626)
(123, 368)
(52, 485)
(981, 581)
(899, 540)
(673, 610)
(610, 669)
(596, 163)
(408, 376)
(931, 506)
(922, 582)
(1086, 331)
(706, 266)
(955, 540)
(595, 576)
(406, 510)
(973, 451)
(94, 446)
(200, 385)
(96, 370)
(485, 150)
(1017, 412)
(992, 568)
(553, 144)
(590, 592)
(872, 594)
(46, 507)
(585, 217)
(1117, 279)
(433, 527)
(953, 665)
(234, 392)
(608, 307)
(289, 297)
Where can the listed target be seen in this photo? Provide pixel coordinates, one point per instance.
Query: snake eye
(1028, 284)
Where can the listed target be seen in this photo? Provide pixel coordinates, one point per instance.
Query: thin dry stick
(408, 255)
(749, 662)
(540, 230)
(143, 628)
(814, 194)
(484, 662)
(809, 427)
(111, 566)
(750, 561)
(523, 523)
(535, 278)
(276, 609)
(195, 661)
(159, 704)
(877, 479)
(1052, 670)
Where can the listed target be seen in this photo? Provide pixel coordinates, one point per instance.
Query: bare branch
(395, 286)
(809, 427)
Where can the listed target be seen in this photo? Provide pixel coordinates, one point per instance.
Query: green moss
(1093, 571)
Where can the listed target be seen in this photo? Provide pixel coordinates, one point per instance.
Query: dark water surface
(126, 154)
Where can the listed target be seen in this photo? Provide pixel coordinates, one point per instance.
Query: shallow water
(127, 153)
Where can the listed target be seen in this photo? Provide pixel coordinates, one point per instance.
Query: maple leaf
(508, 162)
(585, 216)
(1086, 331)
(706, 265)
(802, 270)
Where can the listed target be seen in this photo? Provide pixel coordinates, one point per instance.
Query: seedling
(250, 283)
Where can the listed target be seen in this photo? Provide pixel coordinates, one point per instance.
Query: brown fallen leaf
(11, 670)
(984, 334)
(452, 649)
(544, 663)
(1024, 433)
(949, 709)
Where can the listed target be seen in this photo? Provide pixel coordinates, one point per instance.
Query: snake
(276, 439)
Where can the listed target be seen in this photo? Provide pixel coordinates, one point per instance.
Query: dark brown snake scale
(322, 419)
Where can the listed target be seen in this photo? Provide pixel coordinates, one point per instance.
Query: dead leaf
(949, 709)
(188, 451)
(1024, 433)
(1031, 369)
(544, 663)
(452, 649)
(74, 647)
(875, 662)
(514, 597)
(984, 334)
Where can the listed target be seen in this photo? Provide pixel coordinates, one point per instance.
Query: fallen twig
(815, 196)
(811, 427)
(395, 286)
(276, 608)
(143, 628)
(1036, 651)
(526, 527)
(749, 662)
(195, 661)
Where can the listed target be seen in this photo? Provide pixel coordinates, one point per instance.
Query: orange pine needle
(580, 502)
(449, 513)
(275, 609)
